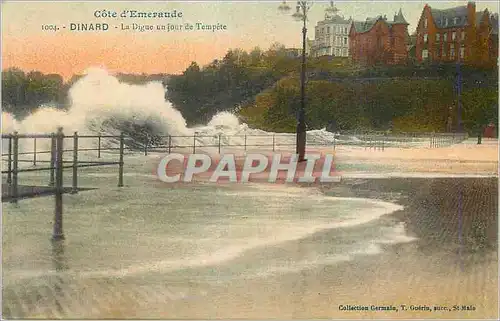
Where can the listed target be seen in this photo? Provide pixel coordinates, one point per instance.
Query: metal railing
(56, 167)
(274, 141)
(371, 141)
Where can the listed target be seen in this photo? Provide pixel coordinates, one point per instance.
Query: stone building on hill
(457, 34)
(331, 35)
(380, 41)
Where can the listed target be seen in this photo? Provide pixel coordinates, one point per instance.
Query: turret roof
(367, 25)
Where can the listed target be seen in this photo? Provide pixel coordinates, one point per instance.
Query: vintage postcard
(249, 159)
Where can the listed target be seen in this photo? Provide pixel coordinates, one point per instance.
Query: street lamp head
(284, 7)
(298, 16)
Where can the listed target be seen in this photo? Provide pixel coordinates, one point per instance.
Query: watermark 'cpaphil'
(273, 168)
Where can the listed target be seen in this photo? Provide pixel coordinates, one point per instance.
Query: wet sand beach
(454, 277)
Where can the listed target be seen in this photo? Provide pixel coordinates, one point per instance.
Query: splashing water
(100, 103)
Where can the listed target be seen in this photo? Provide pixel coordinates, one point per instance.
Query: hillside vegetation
(264, 89)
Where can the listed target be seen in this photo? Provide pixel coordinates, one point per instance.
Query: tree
(480, 107)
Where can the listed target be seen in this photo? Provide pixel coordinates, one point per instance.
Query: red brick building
(457, 34)
(379, 41)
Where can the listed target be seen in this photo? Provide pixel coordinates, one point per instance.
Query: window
(337, 52)
(345, 40)
(425, 38)
(443, 51)
(445, 22)
(463, 35)
(345, 30)
(452, 51)
(438, 36)
(425, 54)
(425, 23)
(445, 37)
(322, 30)
(453, 36)
(462, 52)
(344, 52)
(327, 29)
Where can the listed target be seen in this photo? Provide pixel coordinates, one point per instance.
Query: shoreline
(426, 272)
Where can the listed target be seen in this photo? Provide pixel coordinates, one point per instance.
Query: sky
(248, 24)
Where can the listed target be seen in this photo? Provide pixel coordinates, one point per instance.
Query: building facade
(379, 41)
(457, 34)
(331, 35)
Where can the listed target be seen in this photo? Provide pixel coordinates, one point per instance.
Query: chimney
(471, 13)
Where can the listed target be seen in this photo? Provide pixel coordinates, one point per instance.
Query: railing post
(9, 162)
(245, 142)
(74, 189)
(58, 213)
(146, 145)
(34, 151)
(194, 143)
(52, 158)
(219, 143)
(99, 146)
(120, 169)
(273, 142)
(13, 187)
(169, 144)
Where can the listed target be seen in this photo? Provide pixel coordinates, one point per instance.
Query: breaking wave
(100, 103)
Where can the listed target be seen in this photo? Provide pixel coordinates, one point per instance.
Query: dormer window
(445, 22)
(455, 20)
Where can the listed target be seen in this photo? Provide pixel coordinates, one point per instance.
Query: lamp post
(302, 8)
